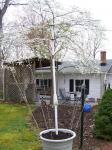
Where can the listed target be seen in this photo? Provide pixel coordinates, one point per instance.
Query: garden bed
(69, 118)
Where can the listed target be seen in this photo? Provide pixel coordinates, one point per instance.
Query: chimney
(103, 60)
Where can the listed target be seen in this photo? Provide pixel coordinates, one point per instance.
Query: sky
(99, 9)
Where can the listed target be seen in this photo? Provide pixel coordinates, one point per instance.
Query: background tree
(4, 4)
(3, 8)
(39, 40)
(98, 38)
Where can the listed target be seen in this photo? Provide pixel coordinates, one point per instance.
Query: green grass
(15, 131)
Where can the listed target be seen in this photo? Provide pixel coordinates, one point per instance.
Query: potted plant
(56, 139)
(62, 141)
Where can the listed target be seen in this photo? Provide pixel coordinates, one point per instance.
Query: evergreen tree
(103, 118)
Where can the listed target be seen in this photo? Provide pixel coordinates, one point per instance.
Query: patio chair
(64, 95)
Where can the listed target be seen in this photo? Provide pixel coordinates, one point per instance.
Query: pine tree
(103, 118)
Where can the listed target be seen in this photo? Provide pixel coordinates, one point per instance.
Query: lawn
(15, 129)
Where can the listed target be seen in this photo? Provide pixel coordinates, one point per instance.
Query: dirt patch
(69, 118)
(52, 135)
(107, 147)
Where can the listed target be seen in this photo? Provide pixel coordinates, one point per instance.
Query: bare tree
(97, 40)
(4, 4)
(3, 9)
(89, 42)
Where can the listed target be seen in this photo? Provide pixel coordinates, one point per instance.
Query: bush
(103, 118)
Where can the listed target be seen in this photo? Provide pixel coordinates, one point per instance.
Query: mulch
(107, 147)
(69, 118)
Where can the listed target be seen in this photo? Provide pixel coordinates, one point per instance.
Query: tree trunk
(1, 36)
(51, 100)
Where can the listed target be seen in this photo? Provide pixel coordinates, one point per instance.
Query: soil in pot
(61, 135)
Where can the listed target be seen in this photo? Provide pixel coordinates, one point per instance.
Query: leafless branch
(14, 3)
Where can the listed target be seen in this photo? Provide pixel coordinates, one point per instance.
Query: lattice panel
(19, 83)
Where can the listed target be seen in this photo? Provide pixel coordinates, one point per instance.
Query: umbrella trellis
(56, 138)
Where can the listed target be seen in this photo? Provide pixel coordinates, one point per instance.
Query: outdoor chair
(65, 96)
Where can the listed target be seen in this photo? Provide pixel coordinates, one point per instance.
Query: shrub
(103, 118)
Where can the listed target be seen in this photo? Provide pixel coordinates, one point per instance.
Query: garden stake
(82, 117)
(55, 100)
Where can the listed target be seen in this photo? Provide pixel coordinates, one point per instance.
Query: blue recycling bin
(87, 108)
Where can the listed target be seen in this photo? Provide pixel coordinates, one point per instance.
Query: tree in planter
(103, 118)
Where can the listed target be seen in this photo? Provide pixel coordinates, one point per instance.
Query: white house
(69, 77)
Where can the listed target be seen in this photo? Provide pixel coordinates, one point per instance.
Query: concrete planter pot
(63, 144)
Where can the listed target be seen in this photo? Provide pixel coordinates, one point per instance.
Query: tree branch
(18, 4)
(14, 3)
(6, 3)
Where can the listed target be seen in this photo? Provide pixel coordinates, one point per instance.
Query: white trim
(54, 130)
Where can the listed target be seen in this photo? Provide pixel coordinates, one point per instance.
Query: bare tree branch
(4, 9)
(12, 3)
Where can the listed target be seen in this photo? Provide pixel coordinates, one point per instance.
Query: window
(37, 82)
(43, 83)
(87, 87)
(49, 83)
(78, 85)
(71, 85)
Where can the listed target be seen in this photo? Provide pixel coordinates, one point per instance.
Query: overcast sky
(100, 9)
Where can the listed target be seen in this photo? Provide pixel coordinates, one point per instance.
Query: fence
(1, 83)
(18, 82)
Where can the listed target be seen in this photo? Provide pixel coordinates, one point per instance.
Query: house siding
(94, 83)
(95, 90)
(109, 80)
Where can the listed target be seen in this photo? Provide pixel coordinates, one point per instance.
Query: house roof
(43, 62)
(27, 61)
(90, 67)
(107, 67)
(69, 67)
(43, 70)
(79, 67)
